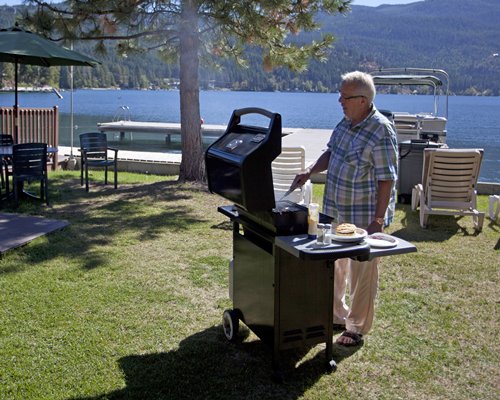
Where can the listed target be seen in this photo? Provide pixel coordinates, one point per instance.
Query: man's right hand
(320, 165)
(300, 179)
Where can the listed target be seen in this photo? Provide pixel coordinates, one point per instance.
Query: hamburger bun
(345, 229)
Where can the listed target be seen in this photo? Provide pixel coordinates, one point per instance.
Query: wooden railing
(34, 125)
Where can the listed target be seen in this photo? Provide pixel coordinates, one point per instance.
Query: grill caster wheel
(278, 377)
(230, 324)
(331, 366)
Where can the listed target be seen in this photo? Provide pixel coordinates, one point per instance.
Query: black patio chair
(6, 140)
(29, 164)
(94, 150)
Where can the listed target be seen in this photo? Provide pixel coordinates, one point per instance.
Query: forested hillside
(460, 36)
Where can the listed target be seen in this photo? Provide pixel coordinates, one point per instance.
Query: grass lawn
(126, 303)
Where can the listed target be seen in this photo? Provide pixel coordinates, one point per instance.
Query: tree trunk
(192, 166)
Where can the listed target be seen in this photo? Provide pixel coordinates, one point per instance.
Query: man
(361, 163)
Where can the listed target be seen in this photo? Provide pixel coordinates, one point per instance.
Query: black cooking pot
(290, 218)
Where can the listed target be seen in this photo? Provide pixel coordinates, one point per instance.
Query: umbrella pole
(71, 156)
(16, 104)
(72, 159)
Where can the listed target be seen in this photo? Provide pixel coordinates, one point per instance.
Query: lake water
(472, 121)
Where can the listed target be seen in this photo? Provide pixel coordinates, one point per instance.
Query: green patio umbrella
(21, 46)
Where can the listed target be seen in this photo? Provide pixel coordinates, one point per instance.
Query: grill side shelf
(304, 248)
(228, 211)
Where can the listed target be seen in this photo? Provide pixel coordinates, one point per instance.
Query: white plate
(381, 240)
(358, 236)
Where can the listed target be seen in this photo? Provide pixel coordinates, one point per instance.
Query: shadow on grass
(440, 228)
(225, 226)
(142, 211)
(207, 366)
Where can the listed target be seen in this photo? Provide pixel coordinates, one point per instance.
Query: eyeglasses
(341, 97)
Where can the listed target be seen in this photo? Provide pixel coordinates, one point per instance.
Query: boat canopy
(437, 79)
(428, 80)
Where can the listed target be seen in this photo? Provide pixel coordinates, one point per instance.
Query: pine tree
(191, 31)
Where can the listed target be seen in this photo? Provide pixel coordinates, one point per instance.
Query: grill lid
(239, 162)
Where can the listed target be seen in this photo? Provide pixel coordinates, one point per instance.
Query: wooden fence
(34, 125)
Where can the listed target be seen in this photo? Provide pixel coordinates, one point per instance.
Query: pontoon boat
(423, 125)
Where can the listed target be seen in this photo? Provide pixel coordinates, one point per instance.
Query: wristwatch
(379, 221)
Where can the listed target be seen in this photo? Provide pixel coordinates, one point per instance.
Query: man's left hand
(375, 227)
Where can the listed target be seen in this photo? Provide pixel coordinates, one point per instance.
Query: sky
(373, 3)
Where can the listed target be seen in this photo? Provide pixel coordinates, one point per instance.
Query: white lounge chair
(449, 178)
(494, 206)
(285, 167)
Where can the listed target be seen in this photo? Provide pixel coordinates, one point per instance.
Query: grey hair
(362, 81)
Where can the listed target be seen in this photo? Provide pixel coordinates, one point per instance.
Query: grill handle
(236, 118)
(253, 110)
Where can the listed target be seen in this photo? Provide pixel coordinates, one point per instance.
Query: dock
(162, 128)
(167, 162)
(314, 140)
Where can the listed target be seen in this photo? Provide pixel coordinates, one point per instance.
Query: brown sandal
(356, 337)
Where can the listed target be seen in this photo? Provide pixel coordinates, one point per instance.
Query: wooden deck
(17, 230)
